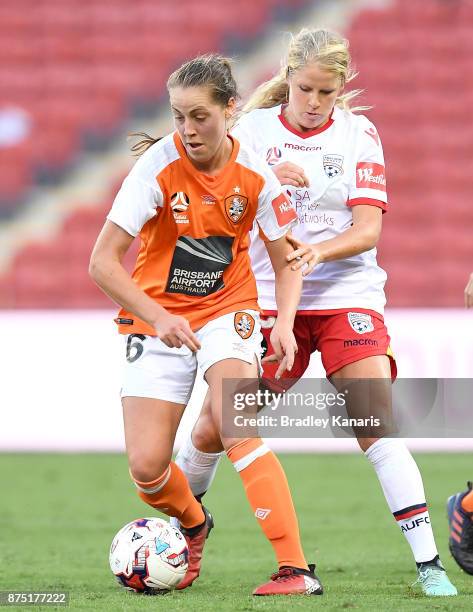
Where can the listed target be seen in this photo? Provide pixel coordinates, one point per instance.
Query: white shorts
(154, 370)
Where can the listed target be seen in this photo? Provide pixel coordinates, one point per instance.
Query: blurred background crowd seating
(74, 76)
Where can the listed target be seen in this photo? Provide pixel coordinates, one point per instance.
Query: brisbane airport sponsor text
(194, 280)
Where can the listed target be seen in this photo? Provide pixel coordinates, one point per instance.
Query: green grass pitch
(60, 512)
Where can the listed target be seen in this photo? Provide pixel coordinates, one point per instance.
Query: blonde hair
(211, 69)
(328, 49)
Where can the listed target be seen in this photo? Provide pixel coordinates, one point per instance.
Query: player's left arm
(275, 216)
(469, 292)
(367, 199)
(361, 236)
(288, 286)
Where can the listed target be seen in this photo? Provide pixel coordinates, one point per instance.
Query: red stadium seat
(94, 61)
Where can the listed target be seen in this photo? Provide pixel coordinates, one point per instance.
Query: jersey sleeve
(276, 213)
(136, 202)
(368, 182)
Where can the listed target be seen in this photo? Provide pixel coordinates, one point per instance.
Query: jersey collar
(190, 166)
(289, 127)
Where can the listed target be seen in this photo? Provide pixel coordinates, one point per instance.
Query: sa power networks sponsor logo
(284, 210)
(244, 324)
(198, 265)
(333, 165)
(273, 155)
(370, 176)
(360, 322)
(179, 204)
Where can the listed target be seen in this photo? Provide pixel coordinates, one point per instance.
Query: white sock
(199, 467)
(404, 491)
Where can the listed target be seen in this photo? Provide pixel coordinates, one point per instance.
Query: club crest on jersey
(179, 201)
(360, 322)
(244, 324)
(273, 155)
(333, 165)
(235, 207)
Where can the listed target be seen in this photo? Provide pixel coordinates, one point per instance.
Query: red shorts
(341, 336)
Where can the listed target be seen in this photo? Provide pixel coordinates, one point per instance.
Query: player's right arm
(107, 271)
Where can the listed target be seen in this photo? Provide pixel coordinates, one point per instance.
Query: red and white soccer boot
(195, 539)
(292, 581)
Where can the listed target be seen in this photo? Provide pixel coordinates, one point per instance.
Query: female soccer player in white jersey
(191, 303)
(331, 161)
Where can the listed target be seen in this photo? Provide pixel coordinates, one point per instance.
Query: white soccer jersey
(344, 163)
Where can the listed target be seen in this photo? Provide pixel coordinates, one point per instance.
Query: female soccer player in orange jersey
(190, 303)
(331, 161)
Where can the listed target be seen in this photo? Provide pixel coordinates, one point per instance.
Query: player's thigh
(205, 435)
(150, 430)
(157, 384)
(375, 366)
(367, 387)
(230, 360)
(242, 379)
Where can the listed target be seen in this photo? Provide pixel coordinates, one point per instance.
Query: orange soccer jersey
(194, 228)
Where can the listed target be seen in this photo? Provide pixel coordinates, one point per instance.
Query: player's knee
(365, 443)
(228, 443)
(146, 468)
(205, 435)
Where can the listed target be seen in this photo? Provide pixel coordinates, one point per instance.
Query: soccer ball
(148, 555)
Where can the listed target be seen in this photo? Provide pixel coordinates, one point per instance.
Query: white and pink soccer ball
(148, 555)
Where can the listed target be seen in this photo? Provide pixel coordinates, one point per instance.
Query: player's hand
(303, 254)
(288, 173)
(285, 348)
(175, 332)
(469, 292)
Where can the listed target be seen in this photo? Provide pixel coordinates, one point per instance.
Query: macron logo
(370, 176)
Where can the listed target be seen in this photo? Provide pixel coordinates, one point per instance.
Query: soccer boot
(460, 522)
(292, 581)
(195, 539)
(433, 580)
